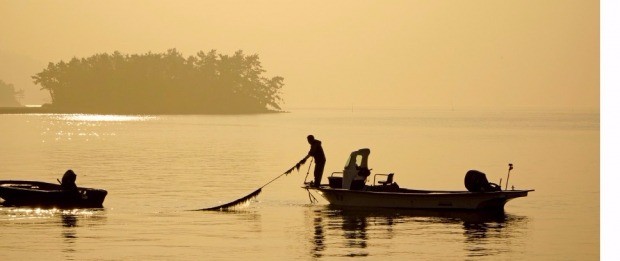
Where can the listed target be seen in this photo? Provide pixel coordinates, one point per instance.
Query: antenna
(509, 169)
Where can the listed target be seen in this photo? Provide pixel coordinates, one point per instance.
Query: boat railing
(389, 180)
(337, 172)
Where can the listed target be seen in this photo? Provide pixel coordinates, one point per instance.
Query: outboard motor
(476, 181)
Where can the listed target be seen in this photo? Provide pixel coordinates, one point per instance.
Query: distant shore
(22, 110)
(48, 110)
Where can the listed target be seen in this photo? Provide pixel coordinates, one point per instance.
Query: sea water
(158, 168)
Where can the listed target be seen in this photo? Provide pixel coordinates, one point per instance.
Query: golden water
(157, 168)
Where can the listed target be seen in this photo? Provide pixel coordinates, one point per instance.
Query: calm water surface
(158, 168)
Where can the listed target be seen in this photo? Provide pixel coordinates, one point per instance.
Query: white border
(610, 68)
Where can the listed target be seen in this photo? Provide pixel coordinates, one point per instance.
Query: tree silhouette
(162, 83)
(9, 97)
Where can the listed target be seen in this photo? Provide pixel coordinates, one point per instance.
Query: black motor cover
(476, 181)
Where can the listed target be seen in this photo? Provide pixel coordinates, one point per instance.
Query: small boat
(348, 188)
(24, 193)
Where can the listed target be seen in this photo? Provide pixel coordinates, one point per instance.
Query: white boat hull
(420, 199)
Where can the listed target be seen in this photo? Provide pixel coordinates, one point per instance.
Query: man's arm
(303, 161)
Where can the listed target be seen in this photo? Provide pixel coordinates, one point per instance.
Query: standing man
(316, 151)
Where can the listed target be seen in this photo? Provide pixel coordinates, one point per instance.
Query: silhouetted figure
(316, 151)
(68, 181)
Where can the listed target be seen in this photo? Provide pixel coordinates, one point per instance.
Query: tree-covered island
(167, 83)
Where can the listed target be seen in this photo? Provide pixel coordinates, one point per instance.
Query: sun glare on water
(108, 118)
(36, 213)
(66, 127)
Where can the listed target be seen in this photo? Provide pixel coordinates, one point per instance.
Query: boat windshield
(358, 160)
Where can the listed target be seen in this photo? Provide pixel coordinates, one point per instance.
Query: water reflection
(362, 232)
(483, 236)
(354, 228)
(319, 237)
(71, 222)
(69, 233)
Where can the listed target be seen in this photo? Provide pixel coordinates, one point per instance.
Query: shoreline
(43, 110)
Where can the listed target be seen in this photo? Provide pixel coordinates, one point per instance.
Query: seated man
(68, 181)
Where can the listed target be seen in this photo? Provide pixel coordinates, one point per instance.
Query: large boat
(25, 193)
(349, 188)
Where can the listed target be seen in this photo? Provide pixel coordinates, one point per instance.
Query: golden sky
(463, 54)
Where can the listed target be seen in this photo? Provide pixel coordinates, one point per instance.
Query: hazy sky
(493, 54)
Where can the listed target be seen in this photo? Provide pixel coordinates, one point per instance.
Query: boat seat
(388, 181)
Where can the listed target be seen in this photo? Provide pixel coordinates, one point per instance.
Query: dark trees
(161, 83)
(9, 96)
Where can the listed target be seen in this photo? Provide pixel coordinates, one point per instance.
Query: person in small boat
(68, 181)
(316, 152)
